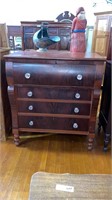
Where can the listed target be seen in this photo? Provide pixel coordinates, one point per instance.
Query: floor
(50, 153)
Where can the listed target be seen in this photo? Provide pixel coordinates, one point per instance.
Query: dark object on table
(42, 40)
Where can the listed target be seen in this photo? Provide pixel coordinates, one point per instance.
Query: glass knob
(27, 75)
(31, 123)
(75, 125)
(30, 107)
(76, 110)
(77, 96)
(29, 94)
(79, 77)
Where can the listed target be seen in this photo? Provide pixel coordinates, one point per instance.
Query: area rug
(51, 186)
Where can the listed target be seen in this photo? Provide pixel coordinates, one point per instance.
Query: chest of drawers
(54, 91)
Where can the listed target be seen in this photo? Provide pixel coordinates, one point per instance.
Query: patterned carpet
(47, 186)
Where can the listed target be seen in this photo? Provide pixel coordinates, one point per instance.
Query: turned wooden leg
(16, 137)
(107, 132)
(106, 141)
(99, 127)
(90, 142)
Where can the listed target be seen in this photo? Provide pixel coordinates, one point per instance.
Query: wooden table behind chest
(54, 91)
(61, 29)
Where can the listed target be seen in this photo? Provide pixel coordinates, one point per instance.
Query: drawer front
(54, 74)
(53, 108)
(60, 93)
(65, 31)
(53, 123)
(28, 38)
(28, 29)
(52, 31)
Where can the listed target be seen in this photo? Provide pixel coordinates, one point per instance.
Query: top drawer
(54, 74)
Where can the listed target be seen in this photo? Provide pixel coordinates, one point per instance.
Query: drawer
(28, 29)
(60, 93)
(54, 74)
(53, 107)
(53, 123)
(52, 31)
(65, 31)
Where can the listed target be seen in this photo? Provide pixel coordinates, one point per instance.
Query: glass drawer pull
(30, 94)
(76, 110)
(30, 107)
(75, 125)
(27, 75)
(79, 77)
(77, 96)
(31, 123)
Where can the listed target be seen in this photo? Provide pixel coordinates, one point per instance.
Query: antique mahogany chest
(54, 92)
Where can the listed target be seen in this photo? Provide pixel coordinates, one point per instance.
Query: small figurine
(78, 40)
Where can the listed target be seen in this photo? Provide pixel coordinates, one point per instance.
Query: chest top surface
(52, 55)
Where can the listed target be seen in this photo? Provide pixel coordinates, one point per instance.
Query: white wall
(14, 11)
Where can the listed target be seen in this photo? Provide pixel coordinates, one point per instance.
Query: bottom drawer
(56, 123)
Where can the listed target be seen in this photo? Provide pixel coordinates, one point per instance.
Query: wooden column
(5, 118)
